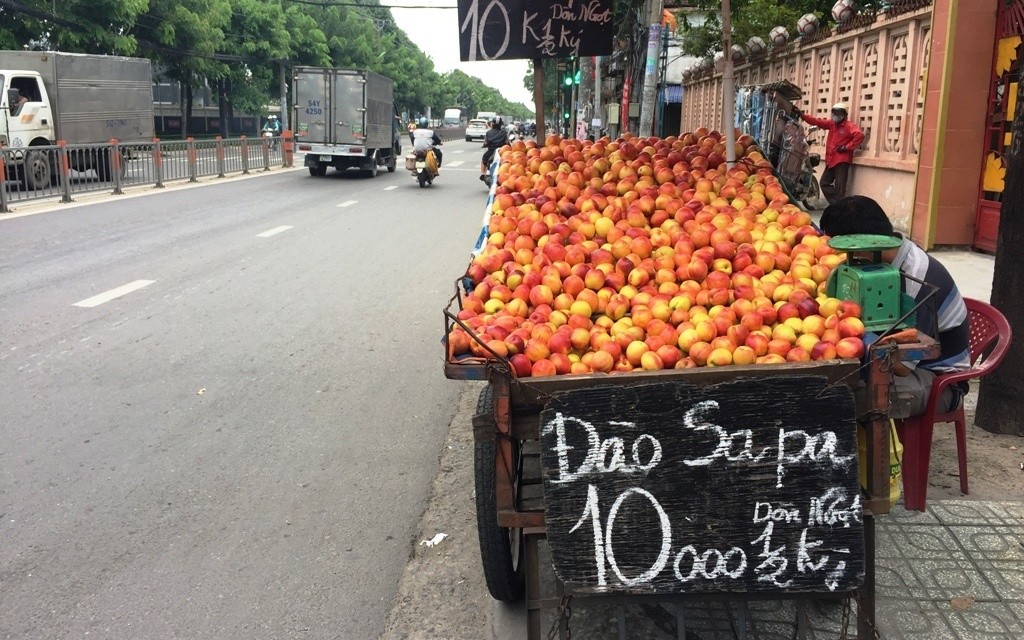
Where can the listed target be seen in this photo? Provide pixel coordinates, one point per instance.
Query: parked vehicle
(346, 118)
(452, 117)
(81, 99)
(476, 130)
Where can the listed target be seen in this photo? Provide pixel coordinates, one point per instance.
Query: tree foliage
(702, 29)
(239, 45)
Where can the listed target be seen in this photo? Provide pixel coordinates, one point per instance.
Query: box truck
(79, 98)
(345, 118)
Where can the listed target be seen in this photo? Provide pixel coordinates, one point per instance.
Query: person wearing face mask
(843, 137)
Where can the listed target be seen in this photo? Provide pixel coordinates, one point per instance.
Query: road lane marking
(274, 231)
(348, 203)
(113, 294)
(391, 187)
(457, 163)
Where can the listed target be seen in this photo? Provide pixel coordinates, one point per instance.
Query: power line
(352, 3)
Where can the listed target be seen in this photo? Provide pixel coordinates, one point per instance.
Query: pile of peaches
(648, 253)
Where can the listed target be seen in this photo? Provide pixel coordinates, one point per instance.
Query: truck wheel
(501, 549)
(318, 171)
(371, 172)
(38, 173)
(393, 162)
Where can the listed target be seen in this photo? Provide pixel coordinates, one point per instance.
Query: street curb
(50, 205)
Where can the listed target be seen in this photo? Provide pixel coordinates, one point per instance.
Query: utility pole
(728, 89)
(598, 87)
(650, 91)
(284, 98)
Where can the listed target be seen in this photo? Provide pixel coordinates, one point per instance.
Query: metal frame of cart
(509, 493)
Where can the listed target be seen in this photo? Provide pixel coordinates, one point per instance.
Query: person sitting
(911, 386)
(273, 125)
(425, 139)
(494, 139)
(18, 103)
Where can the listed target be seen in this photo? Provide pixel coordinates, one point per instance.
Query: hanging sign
(530, 29)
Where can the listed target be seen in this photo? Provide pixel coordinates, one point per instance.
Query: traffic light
(571, 79)
(568, 81)
(576, 80)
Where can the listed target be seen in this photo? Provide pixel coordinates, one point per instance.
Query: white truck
(345, 118)
(81, 99)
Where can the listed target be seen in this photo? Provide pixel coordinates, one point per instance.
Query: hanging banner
(531, 29)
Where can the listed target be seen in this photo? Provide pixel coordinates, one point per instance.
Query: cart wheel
(501, 549)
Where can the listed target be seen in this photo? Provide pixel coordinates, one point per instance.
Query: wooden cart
(509, 485)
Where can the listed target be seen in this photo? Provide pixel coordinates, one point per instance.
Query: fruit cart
(510, 500)
(670, 382)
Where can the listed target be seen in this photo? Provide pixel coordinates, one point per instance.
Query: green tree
(81, 26)
(186, 37)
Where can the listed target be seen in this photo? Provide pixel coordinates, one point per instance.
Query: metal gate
(1006, 77)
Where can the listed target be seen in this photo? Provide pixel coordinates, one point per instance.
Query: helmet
(840, 106)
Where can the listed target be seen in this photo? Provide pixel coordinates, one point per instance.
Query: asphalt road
(241, 445)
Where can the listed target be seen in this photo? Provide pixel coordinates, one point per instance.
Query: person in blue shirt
(944, 317)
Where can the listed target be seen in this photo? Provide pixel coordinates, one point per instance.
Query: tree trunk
(222, 108)
(999, 398)
(188, 106)
(183, 110)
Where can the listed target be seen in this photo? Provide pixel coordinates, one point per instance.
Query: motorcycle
(795, 163)
(422, 165)
(271, 138)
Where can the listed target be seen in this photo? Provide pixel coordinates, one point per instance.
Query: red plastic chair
(989, 332)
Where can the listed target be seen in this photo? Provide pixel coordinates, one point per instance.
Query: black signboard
(748, 486)
(511, 29)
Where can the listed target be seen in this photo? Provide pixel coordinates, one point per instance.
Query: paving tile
(978, 513)
(991, 543)
(899, 516)
(915, 579)
(918, 542)
(911, 620)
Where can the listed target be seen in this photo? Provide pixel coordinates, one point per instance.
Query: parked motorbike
(423, 166)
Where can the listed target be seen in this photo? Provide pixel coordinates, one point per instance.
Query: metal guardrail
(63, 170)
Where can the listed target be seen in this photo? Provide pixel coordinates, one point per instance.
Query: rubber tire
(505, 575)
(393, 162)
(37, 172)
(318, 171)
(372, 171)
(813, 194)
(423, 179)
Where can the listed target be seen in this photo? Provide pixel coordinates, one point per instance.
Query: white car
(476, 129)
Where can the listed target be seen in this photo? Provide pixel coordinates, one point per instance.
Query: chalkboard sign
(748, 486)
(510, 29)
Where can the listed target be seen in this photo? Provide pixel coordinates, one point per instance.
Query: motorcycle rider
(273, 125)
(425, 139)
(494, 139)
(843, 137)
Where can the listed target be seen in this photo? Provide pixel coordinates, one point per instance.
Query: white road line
(113, 294)
(274, 231)
(391, 187)
(348, 203)
(457, 163)
(457, 151)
